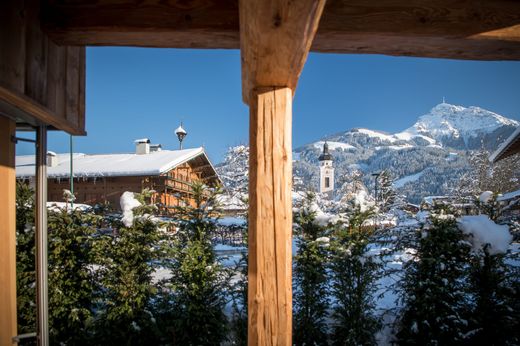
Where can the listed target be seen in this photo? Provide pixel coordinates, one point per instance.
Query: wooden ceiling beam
(463, 29)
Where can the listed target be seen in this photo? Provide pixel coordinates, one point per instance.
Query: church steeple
(325, 156)
(326, 172)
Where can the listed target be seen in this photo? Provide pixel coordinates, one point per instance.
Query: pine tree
(25, 258)
(127, 258)
(198, 281)
(239, 296)
(386, 195)
(493, 318)
(354, 282)
(492, 286)
(72, 280)
(310, 278)
(433, 289)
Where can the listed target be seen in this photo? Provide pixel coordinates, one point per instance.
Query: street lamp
(181, 133)
(376, 175)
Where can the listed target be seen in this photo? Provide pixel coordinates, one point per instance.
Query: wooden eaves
(467, 29)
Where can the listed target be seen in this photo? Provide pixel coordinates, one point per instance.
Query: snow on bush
(483, 231)
(485, 196)
(128, 203)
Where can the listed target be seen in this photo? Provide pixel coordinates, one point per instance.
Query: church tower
(326, 172)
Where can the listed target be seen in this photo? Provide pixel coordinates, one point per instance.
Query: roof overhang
(510, 147)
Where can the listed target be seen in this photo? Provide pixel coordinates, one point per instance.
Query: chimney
(52, 159)
(155, 147)
(142, 146)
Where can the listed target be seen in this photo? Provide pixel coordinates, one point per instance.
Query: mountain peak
(448, 121)
(444, 107)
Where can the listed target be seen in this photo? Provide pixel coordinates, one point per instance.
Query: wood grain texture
(275, 38)
(12, 45)
(8, 324)
(40, 114)
(270, 218)
(36, 55)
(461, 29)
(36, 74)
(56, 79)
(72, 84)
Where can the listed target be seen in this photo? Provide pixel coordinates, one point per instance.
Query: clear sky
(139, 92)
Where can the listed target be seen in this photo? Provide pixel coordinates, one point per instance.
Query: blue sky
(138, 92)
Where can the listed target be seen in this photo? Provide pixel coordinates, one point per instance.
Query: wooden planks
(12, 45)
(464, 29)
(18, 105)
(8, 324)
(270, 218)
(52, 77)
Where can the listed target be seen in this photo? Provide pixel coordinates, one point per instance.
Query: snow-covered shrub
(239, 291)
(126, 264)
(198, 282)
(25, 259)
(73, 285)
(310, 301)
(494, 319)
(354, 281)
(435, 304)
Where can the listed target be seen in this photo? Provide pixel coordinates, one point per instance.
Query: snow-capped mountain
(426, 159)
(459, 127)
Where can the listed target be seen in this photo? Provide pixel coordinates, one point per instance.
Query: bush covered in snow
(310, 288)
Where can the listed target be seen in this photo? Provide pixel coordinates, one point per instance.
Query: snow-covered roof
(508, 196)
(510, 146)
(106, 165)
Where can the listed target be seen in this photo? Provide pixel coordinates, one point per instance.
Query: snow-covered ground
(408, 179)
(334, 145)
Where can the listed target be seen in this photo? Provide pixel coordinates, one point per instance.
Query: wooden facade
(42, 74)
(172, 188)
(41, 82)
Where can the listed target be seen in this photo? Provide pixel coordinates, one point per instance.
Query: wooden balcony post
(275, 38)
(8, 323)
(270, 217)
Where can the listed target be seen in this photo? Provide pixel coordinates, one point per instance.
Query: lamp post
(181, 133)
(376, 175)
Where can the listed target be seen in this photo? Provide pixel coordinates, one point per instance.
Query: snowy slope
(428, 158)
(447, 122)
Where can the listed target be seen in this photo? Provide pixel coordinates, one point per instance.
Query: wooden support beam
(270, 218)
(8, 325)
(275, 38)
(465, 29)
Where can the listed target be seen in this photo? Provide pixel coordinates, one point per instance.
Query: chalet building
(103, 178)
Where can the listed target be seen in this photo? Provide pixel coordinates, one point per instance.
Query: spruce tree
(354, 282)
(239, 297)
(72, 279)
(310, 277)
(386, 195)
(492, 285)
(127, 258)
(25, 258)
(199, 280)
(493, 318)
(433, 289)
